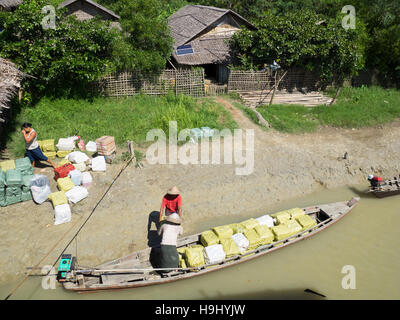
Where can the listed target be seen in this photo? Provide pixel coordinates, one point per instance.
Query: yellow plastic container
(250, 223)
(223, 231)
(7, 165)
(58, 198)
(265, 233)
(65, 184)
(209, 238)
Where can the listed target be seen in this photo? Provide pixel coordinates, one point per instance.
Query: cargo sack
(26, 195)
(26, 180)
(281, 217)
(76, 194)
(77, 157)
(253, 237)
(62, 153)
(237, 228)
(266, 220)
(230, 247)
(208, 238)
(182, 251)
(66, 144)
(86, 179)
(62, 214)
(7, 165)
(50, 154)
(98, 164)
(294, 227)
(13, 178)
(281, 232)
(40, 188)
(182, 263)
(2, 179)
(241, 241)
(76, 177)
(295, 212)
(65, 184)
(47, 145)
(250, 223)
(24, 165)
(62, 172)
(265, 234)
(223, 231)
(80, 166)
(105, 145)
(2, 196)
(58, 198)
(214, 254)
(13, 195)
(306, 222)
(91, 146)
(194, 256)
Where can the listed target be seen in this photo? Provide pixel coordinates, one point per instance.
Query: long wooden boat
(387, 188)
(136, 269)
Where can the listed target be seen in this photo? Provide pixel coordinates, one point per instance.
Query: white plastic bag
(62, 214)
(98, 163)
(66, 144)
(76, 177)
(266, 220)
(241, 241)
(40, 188)
(91, 146)
(214, 254)
(77, 194)
(77, 157)
(86, 179)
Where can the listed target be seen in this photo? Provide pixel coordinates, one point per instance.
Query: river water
(367, 239)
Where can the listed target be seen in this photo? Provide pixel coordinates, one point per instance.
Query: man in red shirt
(171, 203)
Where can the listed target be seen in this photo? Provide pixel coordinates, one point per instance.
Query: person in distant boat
(33, 151)
(169, 231)
(171, 203)
(374, 181)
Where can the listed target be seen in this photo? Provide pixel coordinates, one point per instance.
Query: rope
(63, 236)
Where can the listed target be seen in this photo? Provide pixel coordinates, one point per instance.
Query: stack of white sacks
(82, 181)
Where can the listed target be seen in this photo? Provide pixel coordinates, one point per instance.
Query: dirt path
(285, 166)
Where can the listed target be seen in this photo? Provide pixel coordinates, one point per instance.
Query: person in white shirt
(33, 151)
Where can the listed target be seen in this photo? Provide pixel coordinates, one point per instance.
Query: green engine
(67, 264)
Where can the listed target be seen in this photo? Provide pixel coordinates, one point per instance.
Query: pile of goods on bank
(227, 241)
(18, 183)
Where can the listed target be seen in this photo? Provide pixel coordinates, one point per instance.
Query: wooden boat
(136, 269)
(387, 188)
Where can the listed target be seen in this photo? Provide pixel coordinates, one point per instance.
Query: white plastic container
(86, 179)
(214, 254)
(76, 194)
(241, 241)
(98, 163)
(62, 214)
(266, 220)
(76, 177)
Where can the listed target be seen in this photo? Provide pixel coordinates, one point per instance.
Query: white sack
(266, 220)
(62, 214)
(77, 157)
(76, 194)
(98, 164)
(214, 254)
(241, 241)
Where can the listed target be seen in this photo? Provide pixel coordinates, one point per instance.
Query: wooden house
(201, 38)
(87, 9)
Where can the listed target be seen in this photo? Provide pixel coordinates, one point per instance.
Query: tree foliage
(301, 39)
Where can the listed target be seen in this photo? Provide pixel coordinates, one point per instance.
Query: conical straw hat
(174, 191)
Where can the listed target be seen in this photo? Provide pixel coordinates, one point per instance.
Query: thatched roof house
(9, 5)
(10, 82)
(87, 9)
(201, 35)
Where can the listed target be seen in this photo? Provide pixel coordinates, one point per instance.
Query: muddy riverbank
(285, 166)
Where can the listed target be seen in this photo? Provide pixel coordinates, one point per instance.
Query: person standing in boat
(374, 181)
(33, 151)
(171, 203)
(169, 232)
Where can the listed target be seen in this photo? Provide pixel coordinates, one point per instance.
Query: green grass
(355, 108)
(125, 119)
